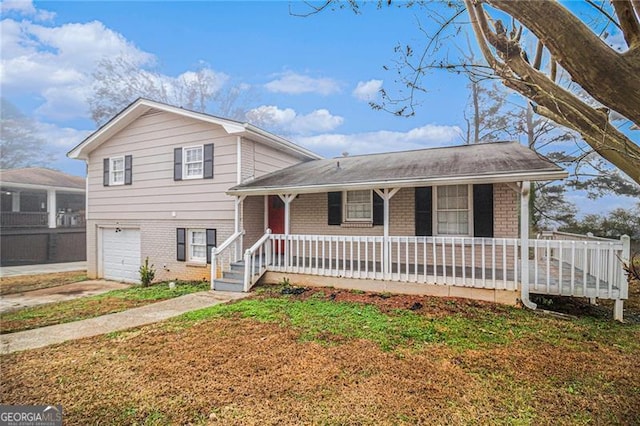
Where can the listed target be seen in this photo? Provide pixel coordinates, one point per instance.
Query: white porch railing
(459, 261)
(225, 254)
(579, 265)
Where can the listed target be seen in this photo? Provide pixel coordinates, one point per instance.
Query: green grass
(92, 306)
(330, 322)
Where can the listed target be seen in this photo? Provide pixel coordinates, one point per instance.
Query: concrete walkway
(60, 293)
(12, 271)
(45, 336)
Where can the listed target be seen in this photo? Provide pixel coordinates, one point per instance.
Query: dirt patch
(24, 283)
(387, 302)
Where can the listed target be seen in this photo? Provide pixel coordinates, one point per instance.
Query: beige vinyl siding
(248, 165)
(154, 195)
(269, 160)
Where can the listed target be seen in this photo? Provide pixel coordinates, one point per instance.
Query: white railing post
(618, 309)
(247, 270)
(525, 192)
(267, 252)
(214, 267)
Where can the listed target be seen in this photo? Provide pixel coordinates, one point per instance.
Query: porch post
(525, 191)
(287, 199)
(15, 201)
(51, 207)
(386, 195)
(238, 204)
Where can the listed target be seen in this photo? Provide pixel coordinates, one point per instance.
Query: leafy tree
(618, 222)
(20, 143)
(607, 76)
(119, 81)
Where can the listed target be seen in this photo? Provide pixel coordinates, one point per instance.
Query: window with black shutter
(424, 211)
(483, 210)
(334, 208)
(211, 242)
(181, 246)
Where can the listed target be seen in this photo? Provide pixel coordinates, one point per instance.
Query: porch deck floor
(552, 279)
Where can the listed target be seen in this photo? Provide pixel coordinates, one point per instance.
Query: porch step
(228, 284)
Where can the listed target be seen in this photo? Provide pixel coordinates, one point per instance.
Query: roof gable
(143, 106)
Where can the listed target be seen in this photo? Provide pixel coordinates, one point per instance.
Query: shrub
(147, 273)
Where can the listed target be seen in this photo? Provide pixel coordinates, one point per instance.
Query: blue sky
(307, 78)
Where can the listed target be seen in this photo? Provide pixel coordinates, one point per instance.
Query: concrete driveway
(11, 302)
(48, 268)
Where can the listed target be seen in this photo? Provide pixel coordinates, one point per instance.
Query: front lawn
(329, 356)
(93, 306)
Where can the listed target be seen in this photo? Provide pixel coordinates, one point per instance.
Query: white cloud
(56, 62)
(367, 90)
(289, 121)
(428, 136)
(294, 84)
(60, 139)
(25, 8)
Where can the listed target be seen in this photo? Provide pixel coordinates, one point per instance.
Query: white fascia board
(119, 122)
(407, 183)
(11, 185)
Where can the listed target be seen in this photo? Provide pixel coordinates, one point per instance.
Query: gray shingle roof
(41, 176)
(502, 159)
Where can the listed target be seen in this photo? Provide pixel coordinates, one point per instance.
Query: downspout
(525, 191)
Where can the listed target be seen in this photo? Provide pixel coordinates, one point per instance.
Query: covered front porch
(463, 235)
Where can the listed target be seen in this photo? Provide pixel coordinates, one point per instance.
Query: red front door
(276, 219)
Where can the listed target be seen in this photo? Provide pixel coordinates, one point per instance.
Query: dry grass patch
(93, 306)
(305, 359)
(23, 283)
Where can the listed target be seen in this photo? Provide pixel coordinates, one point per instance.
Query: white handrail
(249, 260)
(217, 252)
(572, 236)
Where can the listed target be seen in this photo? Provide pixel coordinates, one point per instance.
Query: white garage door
(121, 254)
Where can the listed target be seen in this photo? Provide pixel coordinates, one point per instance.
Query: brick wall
(158, 242)
(309, 215)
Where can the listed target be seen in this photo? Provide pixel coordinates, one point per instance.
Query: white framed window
(116, 171)
(452, 210)
(192, 163)
(358, 206)
(197, 241)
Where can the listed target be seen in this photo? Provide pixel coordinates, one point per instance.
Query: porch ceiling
(480, 163)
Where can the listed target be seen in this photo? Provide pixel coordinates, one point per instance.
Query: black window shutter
(128, 169)
(177, 164)
(334, 208)
(207, 171)
(105, 172)
(378, 209)
(181, 246)
(483, 210)
(424, 211)
(211, 243)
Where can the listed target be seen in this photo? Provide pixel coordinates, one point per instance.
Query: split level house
(210, 198)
